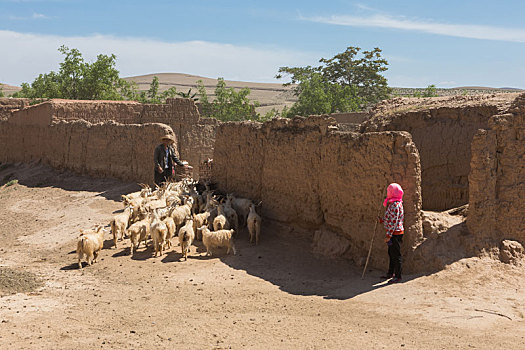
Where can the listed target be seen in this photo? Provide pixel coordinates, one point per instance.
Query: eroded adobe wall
(125, 112)
(109, 149)
(310, 175)
(442, 129)
(7, 105)
(196, 135)
(497, 179)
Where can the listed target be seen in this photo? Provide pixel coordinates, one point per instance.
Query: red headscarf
(394, 193)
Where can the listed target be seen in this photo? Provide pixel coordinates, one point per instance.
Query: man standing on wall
(164, 158)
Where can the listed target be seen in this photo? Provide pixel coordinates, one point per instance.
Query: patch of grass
(14, 281)
(11, 183)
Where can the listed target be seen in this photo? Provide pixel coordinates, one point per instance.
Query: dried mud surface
(276, 295)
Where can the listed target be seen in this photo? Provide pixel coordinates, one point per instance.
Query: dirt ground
(275, 295)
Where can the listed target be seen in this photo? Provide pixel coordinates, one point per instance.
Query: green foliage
(1, 91)
(78, 80)
(430, 91)
(188, 95)
(11, 183)
(344, 83)
(273, 113)
(228, 105)
(130, 91)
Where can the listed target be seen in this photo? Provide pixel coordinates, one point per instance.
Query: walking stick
(371, 244)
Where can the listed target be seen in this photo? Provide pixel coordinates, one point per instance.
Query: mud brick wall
(125, 112)
(497, 179)
(309, 175)
(109, 149)
(195, 135)
(442, 129)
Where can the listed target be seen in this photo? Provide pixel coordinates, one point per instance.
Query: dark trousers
(162, 177)
(394, 252)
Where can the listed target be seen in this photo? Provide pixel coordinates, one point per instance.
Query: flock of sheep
(175, 208)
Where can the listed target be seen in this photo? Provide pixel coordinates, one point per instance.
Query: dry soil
(272, 296)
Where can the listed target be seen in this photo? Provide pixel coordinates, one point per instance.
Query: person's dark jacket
(160, 154)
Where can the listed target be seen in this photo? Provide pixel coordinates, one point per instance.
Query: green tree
(153, 90)
(430, 91)
(228, 105)
(152, 95)
(346, 82)
(79, 80)
(2, 90)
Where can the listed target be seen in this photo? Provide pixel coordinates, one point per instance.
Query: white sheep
(144, 192)
(211, 207)
(89, 245)
(139, 232)
(120, 223)
(215, 239)
(231, 215)
(200, 220)
(254, 224)
(220, 222)
(180, 213)
(186, 237)
(159, 232)
(172, 229)
(242, 207)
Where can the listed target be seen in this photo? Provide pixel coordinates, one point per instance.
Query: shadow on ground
(288, 263)
(38, 175)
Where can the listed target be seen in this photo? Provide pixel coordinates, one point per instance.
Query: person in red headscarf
(393, 223)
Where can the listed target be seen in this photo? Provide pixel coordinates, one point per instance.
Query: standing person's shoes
(395, 280)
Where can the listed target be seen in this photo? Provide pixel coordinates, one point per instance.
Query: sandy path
(276, 295)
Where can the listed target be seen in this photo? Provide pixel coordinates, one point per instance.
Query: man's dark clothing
(160, 160)
(394, 252)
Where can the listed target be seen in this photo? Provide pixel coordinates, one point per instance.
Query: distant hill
(9, 89)
(271, 95)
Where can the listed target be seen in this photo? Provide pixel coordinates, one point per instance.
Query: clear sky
(447, 42)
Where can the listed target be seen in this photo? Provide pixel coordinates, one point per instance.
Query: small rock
(510, 251)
